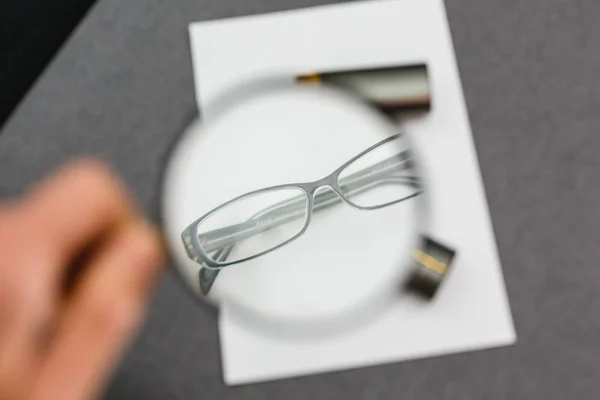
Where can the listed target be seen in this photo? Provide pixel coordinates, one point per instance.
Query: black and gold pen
(432, 264)
(392, 89)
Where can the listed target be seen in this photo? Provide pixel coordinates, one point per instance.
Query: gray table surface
(121, 88)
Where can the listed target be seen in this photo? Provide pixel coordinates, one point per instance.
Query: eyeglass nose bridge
(329, 182)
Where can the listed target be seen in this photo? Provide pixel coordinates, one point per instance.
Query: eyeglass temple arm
(294, 208)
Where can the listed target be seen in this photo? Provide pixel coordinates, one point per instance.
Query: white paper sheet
(471, 311)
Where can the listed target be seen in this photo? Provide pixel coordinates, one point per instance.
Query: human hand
(77, 264)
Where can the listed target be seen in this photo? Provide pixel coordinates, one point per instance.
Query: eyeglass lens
(382, 176)
(255, 223)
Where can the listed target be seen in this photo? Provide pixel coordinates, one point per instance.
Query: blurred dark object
(392, 88)
(432, 264)
(31, 33)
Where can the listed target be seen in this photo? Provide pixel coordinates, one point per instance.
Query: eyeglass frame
(196, 252)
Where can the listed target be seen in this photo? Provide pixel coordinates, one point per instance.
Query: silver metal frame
(226, 237)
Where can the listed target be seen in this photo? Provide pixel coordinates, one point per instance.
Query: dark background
(31, 33)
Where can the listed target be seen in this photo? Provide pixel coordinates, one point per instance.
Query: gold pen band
(309, 78)
(430, 262)
(433, 263)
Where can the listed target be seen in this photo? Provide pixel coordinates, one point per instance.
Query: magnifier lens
(296, 205)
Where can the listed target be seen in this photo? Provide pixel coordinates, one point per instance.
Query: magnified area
(294, 205)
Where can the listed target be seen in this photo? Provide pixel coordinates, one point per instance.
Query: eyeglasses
(264, 220)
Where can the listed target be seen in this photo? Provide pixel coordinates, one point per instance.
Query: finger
(74, 207)
(106, 306)
(38, 234)
(26, 307)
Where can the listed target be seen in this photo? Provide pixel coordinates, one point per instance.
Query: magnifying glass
(297, 207)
